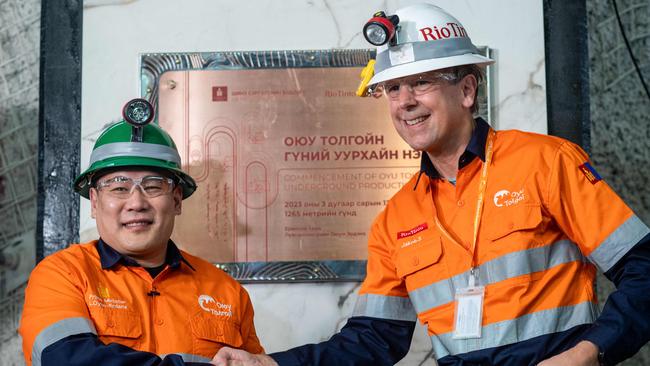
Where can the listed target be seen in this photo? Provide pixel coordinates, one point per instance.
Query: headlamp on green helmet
(138, 113)
(134, 142)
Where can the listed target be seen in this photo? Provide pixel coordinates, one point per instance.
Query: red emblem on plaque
(219, 93)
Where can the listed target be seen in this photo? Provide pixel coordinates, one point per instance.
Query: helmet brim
(417, 67)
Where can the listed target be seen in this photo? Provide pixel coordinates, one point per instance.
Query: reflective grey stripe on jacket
(187, 357)
(520, 329)
(497, 270)
(56, 332)
(386, 307)
(618, 243)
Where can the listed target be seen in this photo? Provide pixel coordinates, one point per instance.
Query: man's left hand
(584, 353)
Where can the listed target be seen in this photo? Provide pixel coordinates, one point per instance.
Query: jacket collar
(109, 257)
(475, 148)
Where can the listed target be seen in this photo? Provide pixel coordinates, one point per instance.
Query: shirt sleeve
(251, 342)
(615, 240)
(54, 308)
(624, 325)
(588, 211)
(363, 341)
(87, 349)
(381, 328)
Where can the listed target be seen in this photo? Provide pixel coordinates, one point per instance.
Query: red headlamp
(380, 29)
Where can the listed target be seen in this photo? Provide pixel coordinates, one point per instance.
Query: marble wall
(116, 32)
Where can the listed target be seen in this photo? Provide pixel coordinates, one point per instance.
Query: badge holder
(468, 313)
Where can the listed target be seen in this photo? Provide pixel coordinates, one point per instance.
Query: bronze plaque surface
(291, 165)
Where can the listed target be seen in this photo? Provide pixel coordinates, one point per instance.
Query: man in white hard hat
(495, 244)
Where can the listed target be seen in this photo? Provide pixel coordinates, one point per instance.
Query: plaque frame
(153, 65)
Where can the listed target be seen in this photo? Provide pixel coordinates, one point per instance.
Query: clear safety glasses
(122, 187)
(417, 84)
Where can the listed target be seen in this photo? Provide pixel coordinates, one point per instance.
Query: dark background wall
(19, 96)
(620, 109)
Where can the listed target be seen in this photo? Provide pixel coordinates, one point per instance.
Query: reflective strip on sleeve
(497, 270)
(385, 307)
(187, 357)
(618, 243)
(56, 332)
(517, 330)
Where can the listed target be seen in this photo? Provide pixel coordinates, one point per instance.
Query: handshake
(235, 357)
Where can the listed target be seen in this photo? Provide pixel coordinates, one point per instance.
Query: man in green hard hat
(132, 297)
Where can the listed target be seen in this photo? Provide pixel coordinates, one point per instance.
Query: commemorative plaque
(292, 167)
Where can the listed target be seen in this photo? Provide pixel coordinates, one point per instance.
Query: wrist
(590, 352)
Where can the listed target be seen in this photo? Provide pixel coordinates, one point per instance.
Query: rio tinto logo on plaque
(290, 164)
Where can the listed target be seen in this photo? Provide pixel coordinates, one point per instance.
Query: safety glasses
(416, 84)
(122, 187)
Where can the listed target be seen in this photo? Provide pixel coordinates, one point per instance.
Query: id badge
(469, 312)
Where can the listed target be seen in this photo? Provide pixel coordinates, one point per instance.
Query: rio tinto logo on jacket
(209, 304)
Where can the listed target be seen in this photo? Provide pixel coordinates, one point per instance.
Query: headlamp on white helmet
(380, 29)
(426, 38)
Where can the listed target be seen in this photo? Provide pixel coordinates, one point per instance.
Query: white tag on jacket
(468, 312)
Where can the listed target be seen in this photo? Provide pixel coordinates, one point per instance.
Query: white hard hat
(426, 38)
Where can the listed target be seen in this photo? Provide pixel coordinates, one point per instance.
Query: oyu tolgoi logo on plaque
(220, 93)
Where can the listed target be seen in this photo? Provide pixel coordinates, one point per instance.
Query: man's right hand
(236, 357)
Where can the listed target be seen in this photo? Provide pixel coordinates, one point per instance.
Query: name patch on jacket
(415, 230)
(103, 302)
(590, 173)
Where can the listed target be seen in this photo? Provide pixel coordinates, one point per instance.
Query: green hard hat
(129, 143)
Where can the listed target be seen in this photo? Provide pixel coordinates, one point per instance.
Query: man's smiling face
(137, 226)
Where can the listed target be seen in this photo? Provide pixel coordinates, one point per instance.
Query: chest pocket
(117, 326)
(419, 261)
(514, 222)
(211, 333)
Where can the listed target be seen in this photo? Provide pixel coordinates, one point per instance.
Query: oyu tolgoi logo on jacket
(209, 304)
(506, 198)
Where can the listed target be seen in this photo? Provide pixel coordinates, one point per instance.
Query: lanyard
(479, 204)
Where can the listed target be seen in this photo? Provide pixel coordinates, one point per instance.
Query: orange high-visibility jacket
(548, 221)
(195, 309)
